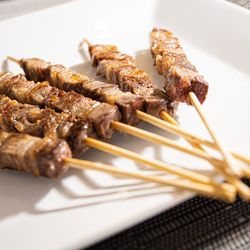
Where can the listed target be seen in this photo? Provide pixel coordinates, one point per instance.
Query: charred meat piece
(40, 157)
(42, 94)
(121, 69)
(181, 77)
(29, 119)
(68, 80)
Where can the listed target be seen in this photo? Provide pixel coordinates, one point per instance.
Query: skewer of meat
(121, 69)
(181, 77)
(19, 88)
(51, 157)
(14, 89)
(182, 80)
(130, 105)
(34, 67)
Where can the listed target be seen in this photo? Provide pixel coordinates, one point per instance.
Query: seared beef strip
(29, 119)
(121, 69)
(40, 157)
(42, 94)
(181, 77)
(67, 80)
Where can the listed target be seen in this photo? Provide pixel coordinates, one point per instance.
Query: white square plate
(36, 213)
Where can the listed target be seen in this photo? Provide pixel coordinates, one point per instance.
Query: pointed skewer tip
(13, 59)
(83, 42)
(87, 41)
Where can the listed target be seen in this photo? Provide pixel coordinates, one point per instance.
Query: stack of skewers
(52, 113)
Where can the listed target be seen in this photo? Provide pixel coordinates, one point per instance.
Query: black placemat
(198, 223)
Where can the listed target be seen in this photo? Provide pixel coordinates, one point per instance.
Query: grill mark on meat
(181, 77)
(42, 94)
(68, 80)
(29, 119)
(121, 69)
(40, 157)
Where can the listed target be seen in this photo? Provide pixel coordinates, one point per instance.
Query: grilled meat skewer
(40, 157)
(65, 79)
(185, 84)
(181, 77)
(101, 115)
(51, 157)
(29, 119)
(121, 69)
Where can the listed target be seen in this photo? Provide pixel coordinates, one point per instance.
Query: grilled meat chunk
(65, 79)
(181, 77)
(29, 119)
(40, 157)
(121, 69)
(42, 94)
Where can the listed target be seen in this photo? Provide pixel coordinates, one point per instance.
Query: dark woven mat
(198, 223)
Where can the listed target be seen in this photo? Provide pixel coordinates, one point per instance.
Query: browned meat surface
(29, 119)
(42, 94)
(121, 69)
(67, 80)
(40, 157)
(181, 77)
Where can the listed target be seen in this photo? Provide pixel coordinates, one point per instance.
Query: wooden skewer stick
(183, 173)
(230, 176)
(241, 186)
(145, 135)
(243, 189)
(241, 158)
(13, 59)
(198, 188)
(245, 171)
(173, 128)
(195, 140)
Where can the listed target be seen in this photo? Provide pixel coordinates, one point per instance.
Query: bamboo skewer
(227, 156)
(165, 116)
(184, 173)
(198, 188)
(243, 189)
(230, 176)
(145, 135)
(175, 129)
(172, 128)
